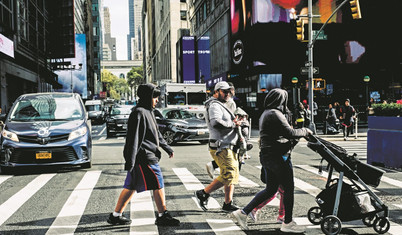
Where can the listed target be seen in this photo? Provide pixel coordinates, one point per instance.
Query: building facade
(162, 22)
(97, 43)
(109, 42)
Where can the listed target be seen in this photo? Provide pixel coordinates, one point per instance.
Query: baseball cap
(222, 86)
(348, 100)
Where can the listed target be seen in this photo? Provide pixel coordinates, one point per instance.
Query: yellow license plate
(43, 155)
(200, 132)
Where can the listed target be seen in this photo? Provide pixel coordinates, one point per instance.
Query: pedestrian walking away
(222, 126)
(348, 119)
(142, 155)
(277, 139)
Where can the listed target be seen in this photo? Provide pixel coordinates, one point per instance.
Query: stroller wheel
(381, 225)
(369, 220)
(331, 225)
(314, 215)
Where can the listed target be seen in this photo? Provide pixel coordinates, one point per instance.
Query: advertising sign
(188, 50)
(74, 79)
(204, 60)
(268, 82)
(6, 46)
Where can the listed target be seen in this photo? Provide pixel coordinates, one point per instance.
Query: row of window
(204, 11)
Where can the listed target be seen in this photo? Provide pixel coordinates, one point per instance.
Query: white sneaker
(253, 215)
(240, 218)
(210, 169)
(292, 227)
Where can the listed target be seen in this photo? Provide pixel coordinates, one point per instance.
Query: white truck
(185, 96)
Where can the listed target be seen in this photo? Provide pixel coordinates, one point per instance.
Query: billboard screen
(188, 59)
(204, 60)
(75, 79)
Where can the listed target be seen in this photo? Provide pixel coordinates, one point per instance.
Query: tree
(114, 85)
(135, 77)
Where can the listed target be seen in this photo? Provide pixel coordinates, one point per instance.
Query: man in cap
(222, 126)
(141, 152)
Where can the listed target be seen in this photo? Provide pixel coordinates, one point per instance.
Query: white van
(95, 109)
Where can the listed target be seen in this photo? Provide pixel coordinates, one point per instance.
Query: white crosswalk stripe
(69, 217)
(9, 207)
(142, 214)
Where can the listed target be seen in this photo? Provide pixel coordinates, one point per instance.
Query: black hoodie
(143, 136)
(275, 131)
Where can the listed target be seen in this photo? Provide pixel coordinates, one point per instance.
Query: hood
(277, 99)
(51, 128)
(191, 122)
(145, 94)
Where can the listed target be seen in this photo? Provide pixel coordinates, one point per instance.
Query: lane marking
(142, 213)
(246, 183)
(9, 207)
(102, 131)
(192, 184)
(4, 178)
(221, 226)
(67, 220)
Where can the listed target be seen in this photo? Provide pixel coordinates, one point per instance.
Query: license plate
(200, 132)
(43, 155)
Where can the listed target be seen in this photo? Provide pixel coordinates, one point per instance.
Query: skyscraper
(134, 38)
(109, 43)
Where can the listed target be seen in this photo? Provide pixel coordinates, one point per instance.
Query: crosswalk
(142, 211)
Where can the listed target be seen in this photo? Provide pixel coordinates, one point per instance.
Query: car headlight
(181, 126)
(10, 135)
(78, 133)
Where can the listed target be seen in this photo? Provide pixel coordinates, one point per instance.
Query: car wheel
(169, 137)
(203, 141)
(5, 170)
(86, 165)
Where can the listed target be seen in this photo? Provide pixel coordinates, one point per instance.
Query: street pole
(310, 65)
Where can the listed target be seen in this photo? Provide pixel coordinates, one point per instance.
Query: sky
(119, 25)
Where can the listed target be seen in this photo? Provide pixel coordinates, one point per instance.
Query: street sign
(320, 36)
(304, 70)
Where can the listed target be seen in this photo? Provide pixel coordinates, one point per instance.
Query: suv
(95, 111)
(46, 129)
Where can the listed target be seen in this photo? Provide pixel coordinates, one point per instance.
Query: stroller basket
(368, 174)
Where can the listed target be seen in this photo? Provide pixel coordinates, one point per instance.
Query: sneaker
(249, 147)
(280, 219)
(241, 218)
(230, 206)
(167, 220)
(345, 138)
(113, 220)
(253, 215)
(202, 199)
(292, 227)
(210, 170)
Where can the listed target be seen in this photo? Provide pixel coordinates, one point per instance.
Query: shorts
(228, 165)
(144, 177)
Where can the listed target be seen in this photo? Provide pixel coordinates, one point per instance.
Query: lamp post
(366, 79)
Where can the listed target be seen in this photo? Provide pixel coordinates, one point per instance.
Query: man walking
(222, 126)
(348, 119)
(142, 156)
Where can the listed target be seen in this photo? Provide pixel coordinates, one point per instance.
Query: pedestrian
(222, 126)
(141, 153)
(276, 137)
(349, 115)
(243, 131)
(338, 110)
(300, 115)
(307, 117)
(331, 118)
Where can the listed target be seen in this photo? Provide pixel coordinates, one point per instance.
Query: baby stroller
(341, 201)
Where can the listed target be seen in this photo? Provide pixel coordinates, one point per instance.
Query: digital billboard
(204, 60)
(74, 79)
(188, 59)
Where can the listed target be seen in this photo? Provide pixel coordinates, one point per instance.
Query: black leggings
(277, 172)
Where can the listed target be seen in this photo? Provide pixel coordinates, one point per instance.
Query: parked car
(46, 129)
(178, 125)
(117, 119)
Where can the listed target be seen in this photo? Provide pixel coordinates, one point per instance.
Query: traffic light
(300, 29)
(355, 9)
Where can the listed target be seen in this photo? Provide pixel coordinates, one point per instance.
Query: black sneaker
(230, 207)
(167, 220)
(202, 199)
(113, 220)
(249, 147)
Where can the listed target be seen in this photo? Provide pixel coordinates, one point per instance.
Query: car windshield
(176, 98)
(178, 114)
(46, 108)
(196, 98)
(95, 107)
(120, 111)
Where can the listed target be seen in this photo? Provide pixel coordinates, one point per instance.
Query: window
(183, 15)
(6, 9)
(22, 12)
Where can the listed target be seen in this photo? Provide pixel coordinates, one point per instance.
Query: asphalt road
(56, 201)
